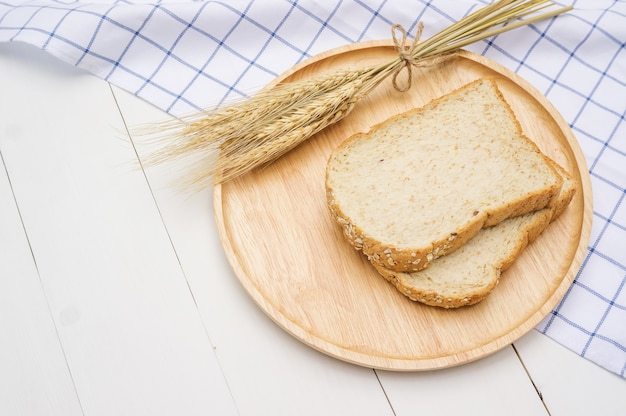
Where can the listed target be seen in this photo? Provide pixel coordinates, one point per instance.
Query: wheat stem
(230, 141)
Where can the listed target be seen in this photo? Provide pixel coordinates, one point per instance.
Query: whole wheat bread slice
(423, 183)
(468, 275)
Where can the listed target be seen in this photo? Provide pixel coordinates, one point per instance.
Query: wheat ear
(228, 142)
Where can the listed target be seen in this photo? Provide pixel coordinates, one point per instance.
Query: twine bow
(405, 53)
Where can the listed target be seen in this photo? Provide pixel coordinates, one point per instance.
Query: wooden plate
(294, 263)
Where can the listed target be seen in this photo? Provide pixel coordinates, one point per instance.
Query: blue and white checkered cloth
(183, 56)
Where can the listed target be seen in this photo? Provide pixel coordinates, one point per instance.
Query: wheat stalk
(228, 142)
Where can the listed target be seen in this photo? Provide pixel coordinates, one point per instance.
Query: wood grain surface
(292, 259)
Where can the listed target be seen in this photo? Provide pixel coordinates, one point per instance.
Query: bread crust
(434, 298)
(403, 259)
(535, 224)
(540, 221)
(414, 259)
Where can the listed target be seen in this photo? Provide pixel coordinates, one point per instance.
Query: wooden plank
(495, 385)
(569, 384)
(268, 371)
(35, 377)
(127, 322)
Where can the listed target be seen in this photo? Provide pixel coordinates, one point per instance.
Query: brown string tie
(407, 52)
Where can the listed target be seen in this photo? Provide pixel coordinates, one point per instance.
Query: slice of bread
(423, 183)
(468, 275)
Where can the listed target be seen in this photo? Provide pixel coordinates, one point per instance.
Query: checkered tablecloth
(183, 56)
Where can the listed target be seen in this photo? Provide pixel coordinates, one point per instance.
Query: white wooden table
(116, 297)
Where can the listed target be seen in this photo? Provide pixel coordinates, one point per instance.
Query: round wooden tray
(293, 261)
